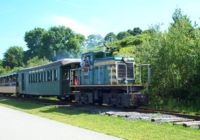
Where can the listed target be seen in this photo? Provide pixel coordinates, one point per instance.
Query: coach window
(48, 75)
(31, 77)
(39, 73)
(55, 74)
(34, 77)
(39, 76)
(51, 75)
(44, 73)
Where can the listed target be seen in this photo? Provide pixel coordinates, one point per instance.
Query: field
(119, 127)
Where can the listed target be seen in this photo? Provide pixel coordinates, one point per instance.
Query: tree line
(53, 44)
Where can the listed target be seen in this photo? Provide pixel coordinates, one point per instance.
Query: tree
(122, 35)
(135, 31)
(13, 57)
(55, 43)
(34, 41)
(0, 62)
(94, 40)
(62, 41)
(110, 37)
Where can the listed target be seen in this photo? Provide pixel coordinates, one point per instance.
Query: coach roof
(55, 63)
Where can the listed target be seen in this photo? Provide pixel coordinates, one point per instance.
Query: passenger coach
(47, 80)
(8, 83)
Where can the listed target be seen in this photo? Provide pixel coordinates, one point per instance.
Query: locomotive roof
(61, 62)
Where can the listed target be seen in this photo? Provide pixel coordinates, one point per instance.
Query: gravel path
(16, 125)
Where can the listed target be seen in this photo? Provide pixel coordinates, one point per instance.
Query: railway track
(149, 110)
(159, 116)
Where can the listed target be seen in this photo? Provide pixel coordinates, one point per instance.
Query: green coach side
(45, 80)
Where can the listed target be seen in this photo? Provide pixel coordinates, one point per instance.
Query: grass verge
(119, 127)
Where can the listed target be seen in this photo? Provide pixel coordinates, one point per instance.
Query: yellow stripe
(104, 63)
(114, 80)
(112, 74)
(111, 67)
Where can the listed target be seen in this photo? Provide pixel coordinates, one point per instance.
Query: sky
(86, 16)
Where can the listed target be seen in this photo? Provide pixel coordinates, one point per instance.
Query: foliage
(34, 40)
(127, 45)
(4, 71)
(93, 40)
(110, 37)
(135, 31)
(36, 61)
(13, 57)
(56, 43)
(174, 56)
(122, 35)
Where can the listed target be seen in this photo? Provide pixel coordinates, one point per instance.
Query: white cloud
(77, 27)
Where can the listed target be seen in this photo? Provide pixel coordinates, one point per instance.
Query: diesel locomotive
(96, 78)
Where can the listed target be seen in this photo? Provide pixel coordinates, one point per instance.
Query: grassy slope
(132, 130)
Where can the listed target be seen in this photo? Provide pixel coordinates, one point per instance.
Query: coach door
(65, 79)
(23, 81)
